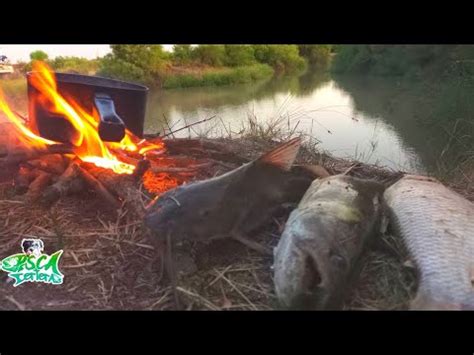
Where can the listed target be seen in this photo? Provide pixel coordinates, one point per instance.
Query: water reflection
(361, 118)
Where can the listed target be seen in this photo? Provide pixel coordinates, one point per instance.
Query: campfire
(78, 158)
(67, 155)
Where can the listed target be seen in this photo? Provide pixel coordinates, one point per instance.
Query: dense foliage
(212, 64)
(191, 65)
(38, 55)
(227, 76)
(395, 60)
(143, 63)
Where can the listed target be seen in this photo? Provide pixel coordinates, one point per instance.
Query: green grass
(13, 87)
(15, 91)
(227, 76)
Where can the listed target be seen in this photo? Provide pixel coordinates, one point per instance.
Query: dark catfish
(230, 205)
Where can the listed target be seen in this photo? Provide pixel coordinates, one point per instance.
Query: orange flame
(26, 136)
(88, 145)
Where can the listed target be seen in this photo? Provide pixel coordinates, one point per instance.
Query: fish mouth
(311, 295)
(312, 276)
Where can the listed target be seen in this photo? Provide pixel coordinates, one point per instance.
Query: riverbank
(110, 263)
(221, 275)
(173, 77)
(189, 76)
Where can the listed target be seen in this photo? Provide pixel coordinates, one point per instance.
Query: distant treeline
(410, 61)
(63, 63)
(199, 65)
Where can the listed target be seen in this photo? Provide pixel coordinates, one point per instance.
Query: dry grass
(110, 263)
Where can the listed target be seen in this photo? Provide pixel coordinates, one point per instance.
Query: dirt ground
(109, 261)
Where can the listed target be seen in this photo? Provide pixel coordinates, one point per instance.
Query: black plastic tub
(119, 104)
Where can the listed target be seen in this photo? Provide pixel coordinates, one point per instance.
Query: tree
(182, 53)
(316, 54)
(38, 55)
(237, 55)
(212, 54)
(144, 63)
(150, 58)
(283, 57)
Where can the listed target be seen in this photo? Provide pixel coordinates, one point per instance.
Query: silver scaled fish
(437, 226)
(323, 240)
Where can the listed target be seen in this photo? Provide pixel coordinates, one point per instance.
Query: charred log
(23, 178)
(99, 188)
(37, 186)
(22, 155)
(51, 163)
(61, 187)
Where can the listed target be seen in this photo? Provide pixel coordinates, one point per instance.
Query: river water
(352, 118)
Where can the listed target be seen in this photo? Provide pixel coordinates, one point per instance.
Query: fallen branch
(188, 126)
(171, 133)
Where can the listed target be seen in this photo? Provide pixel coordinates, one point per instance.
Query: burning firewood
(99, 188)
(142, 167)
(22, 155)
(123, 186)
(62, 186)
(51, 163)
(24, 177)
(37, 186)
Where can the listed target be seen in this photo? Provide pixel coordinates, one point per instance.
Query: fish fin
(282, 156)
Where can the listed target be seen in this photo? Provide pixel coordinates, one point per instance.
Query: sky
(21, 52)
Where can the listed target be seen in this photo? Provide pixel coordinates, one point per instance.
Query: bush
(283, 58)
(213, 55)
(236, 75)
(112, 67)
(182, 53)
(316, 54)
(74, 64)
(38, 55)
(396, 60)
(239, 55)
(143, 63)
(352, 59)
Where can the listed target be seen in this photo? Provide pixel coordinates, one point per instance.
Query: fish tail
(284, 155)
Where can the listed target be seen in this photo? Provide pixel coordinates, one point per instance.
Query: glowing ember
(86, 140)
(158, 183)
